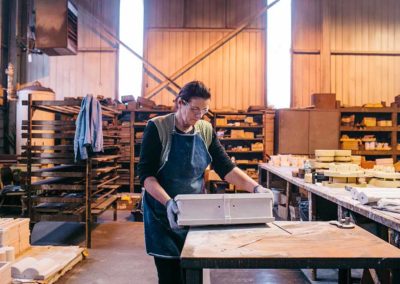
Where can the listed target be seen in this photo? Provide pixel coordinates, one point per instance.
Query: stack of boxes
(14, 240)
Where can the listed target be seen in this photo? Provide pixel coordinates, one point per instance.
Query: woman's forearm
(237, 177)
(154, 188)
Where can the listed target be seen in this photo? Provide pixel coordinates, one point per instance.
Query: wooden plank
(50, 122)
(50, 155)
(50, 127)
(58, 174)
(54, 103)
(50, 135)
(49, 147)
(47, 161)
(105, 158)
(61, 187)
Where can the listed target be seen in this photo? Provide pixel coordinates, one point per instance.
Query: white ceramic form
(220, 209)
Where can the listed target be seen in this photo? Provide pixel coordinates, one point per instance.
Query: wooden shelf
(375, 152)
(368, 110)
(386, 134)
(370, 129)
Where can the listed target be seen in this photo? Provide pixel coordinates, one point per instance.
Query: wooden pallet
(45, 251)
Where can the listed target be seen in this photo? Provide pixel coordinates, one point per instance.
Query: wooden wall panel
(238, 11)
(306, 23)
(364, 49)
(234, 73)
(93, 69)
(201, 13)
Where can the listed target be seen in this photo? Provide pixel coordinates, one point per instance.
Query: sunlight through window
(131, 33)
(278, 54)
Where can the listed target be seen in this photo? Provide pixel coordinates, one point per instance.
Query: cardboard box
(324, 101)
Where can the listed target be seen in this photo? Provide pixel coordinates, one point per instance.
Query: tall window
(278, 54)
(131, 33)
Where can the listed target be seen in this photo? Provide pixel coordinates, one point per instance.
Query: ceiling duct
(56, 27)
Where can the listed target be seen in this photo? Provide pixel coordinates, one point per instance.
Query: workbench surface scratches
(286, 240)
(339, 196)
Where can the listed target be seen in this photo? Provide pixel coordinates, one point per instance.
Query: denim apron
(182, 173)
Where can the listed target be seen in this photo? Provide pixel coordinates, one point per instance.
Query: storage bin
(219, 209)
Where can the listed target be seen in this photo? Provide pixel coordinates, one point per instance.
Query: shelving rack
(243, 136)
(131, 140)
(388, 134)
(58, 189)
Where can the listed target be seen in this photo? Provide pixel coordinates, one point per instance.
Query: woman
(176, 150)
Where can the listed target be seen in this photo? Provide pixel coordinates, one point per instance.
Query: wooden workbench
(339, 196)
(286, 245)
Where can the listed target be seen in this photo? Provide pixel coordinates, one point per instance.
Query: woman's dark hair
(194, 89)
(6, 175)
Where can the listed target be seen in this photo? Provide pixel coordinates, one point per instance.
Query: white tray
(220, 209)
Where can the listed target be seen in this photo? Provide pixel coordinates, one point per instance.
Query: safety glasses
(196, 110)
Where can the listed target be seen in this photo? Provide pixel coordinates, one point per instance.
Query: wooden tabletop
(339, 196)
(287, 245)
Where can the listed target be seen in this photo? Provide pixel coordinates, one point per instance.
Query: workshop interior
(199, 141)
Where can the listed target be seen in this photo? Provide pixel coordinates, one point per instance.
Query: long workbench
(339, 196)
(283, 245)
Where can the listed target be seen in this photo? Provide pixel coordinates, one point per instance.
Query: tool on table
(343, 223)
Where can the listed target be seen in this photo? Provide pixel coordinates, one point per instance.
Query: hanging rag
(89, 128)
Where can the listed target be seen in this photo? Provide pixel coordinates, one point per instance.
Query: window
(278, 54)
(131, 33)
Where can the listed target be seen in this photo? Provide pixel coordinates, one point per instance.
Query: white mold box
(220, 209)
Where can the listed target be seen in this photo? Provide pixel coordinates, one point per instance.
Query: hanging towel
(89, 128)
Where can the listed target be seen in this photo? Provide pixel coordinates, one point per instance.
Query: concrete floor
(118, 256)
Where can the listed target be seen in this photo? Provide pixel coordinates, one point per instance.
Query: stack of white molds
(15, 233)
(343, 156)
(344, 173)
(14, 239)
(323, 158)
(224, 209)
(384, 176)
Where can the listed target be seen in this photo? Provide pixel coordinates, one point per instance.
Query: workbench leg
(193, 276)
(288, 197)
(115, 208)
(344, 276)
(314, 274)
(394, 237)
(311, 207)
(395, 276)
